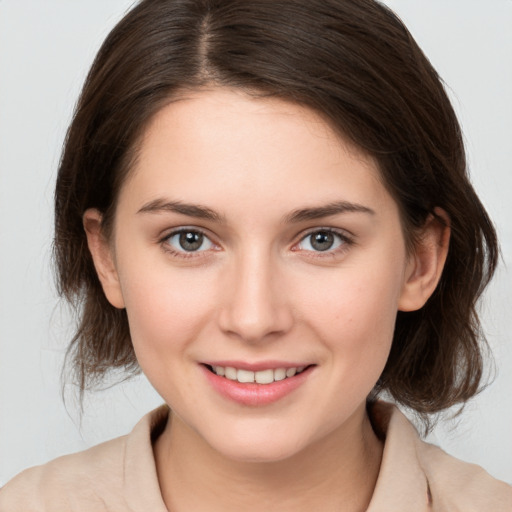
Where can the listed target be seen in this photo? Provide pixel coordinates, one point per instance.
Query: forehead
(222, 144)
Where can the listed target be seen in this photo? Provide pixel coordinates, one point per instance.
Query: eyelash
(344, 238)
(164, 242)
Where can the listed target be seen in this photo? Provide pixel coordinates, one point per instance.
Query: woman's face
(250, 243)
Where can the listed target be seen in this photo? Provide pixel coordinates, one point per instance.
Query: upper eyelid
(343, 233)
(168, 233)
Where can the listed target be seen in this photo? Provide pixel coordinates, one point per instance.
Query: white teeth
(260, 377)
(264, 376)
(230, 373)
(280, 374)
(290, 372)
(244, 376)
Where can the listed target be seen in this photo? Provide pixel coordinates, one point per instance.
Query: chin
(259, 453)
(258, 445)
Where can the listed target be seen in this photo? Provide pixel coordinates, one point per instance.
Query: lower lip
(253, 394)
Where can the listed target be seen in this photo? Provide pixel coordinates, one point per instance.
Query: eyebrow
(190, 210)
(299, 215)
(327, 210)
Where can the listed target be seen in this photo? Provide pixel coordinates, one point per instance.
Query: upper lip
(256, 366)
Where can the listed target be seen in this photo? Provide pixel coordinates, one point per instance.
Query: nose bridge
(255, 306)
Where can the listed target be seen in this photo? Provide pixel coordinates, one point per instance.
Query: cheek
(354, 316)
(166, 310)
(355, 302)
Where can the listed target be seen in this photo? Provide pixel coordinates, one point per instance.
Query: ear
(103, 257)
(426, 263)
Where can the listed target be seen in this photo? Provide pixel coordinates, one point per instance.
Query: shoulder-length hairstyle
(352, 61)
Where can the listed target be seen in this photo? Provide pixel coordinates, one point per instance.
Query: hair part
(353, 62)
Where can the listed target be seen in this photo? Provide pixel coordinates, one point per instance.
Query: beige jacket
(120, 476)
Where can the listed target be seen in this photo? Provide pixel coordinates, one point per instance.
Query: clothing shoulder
(116, 476)
(460, 486)
(419, 476)
(83, 481)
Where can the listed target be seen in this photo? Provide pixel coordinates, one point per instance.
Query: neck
(339, 472)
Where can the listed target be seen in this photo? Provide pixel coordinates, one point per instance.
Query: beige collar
(401, 486)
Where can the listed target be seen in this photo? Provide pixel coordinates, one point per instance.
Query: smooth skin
(250, 231)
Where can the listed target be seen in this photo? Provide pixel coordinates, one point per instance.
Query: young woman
(264, 206)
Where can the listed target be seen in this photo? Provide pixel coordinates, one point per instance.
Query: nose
(254, 306)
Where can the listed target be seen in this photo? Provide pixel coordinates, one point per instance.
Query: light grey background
(46, 48)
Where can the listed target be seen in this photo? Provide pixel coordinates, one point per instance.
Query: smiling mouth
(259, 377)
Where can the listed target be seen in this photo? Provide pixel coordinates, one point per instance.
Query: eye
(322, 240)
(188, 240)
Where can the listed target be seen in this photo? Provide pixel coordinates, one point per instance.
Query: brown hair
(354, 62)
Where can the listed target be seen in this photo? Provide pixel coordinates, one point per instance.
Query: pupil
(190, 240)
(322, 241)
